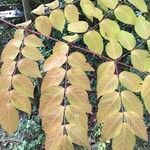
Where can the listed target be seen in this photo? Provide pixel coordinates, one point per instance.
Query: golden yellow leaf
(92, 11)
(127, 40)
(78, 27)
(131, 102)
(51, 99)
(5, 82)
(111, 124)
(15, 42)
(9, 52)
(105, 68)
(53, 78)
(145, 92)
(51, 118)
(130, 81)
(142, 27)
(94, 41)
(19, 34)
(57, 19)
(8, 67)
(23, 85)
(68, 1)
(20, 102)
(60, 48)
(78, 60)
(71, 38)
(136, 124)
(29, 68)
(129, 17)
(109, 4)
(32, 53)
(107, 32)
(71, 13)
(43, 25)
(138, 57)
(103, 7)
(54, 61)
(108, 104)
(114, 49)
(148, 44)
(9, 119)
(32, 40)
(54, 4)
(87, 7)
(40, 10)
(140, 4)
(58, 141)
(78, 98)
(107, 84)
(24, 24)
(75, 75)
(77, 134)
(125, 140)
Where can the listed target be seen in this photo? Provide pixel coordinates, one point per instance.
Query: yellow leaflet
(94, 41)
(109, 4)
(5, 82)
(53, 78)
(109, 104)
(40, 10)
(138, 57)
(127, 40)
(145, 92)
(129, 17)
(43, 25)
(107, 32)
(8, 67)
(71, 38)
(68, 1)
(78, 98)
(131, 81)
(9, 52)
(50, 119)
(78, 60)
(32, 53)
(71, 13)
(77, 117)
(53, 61)
(142, 27)
(111, 125)
(75, 75)
(107, 84)
(23, 85)
(105, 68)
(125, 140)
(53, 4)
(24, 24)
(8, 122)
(136, 124)
(60, 48)
(57, 141)
(140, 4)
(32, 40)
(19, 34)
(51, 99)
(87, 10)
(20, 102)
(29, 68)
(57, 19)
(78, 135)
(114, 49)
(78, 27)
(131, 102)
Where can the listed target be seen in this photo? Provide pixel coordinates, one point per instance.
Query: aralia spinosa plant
(64, 101)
